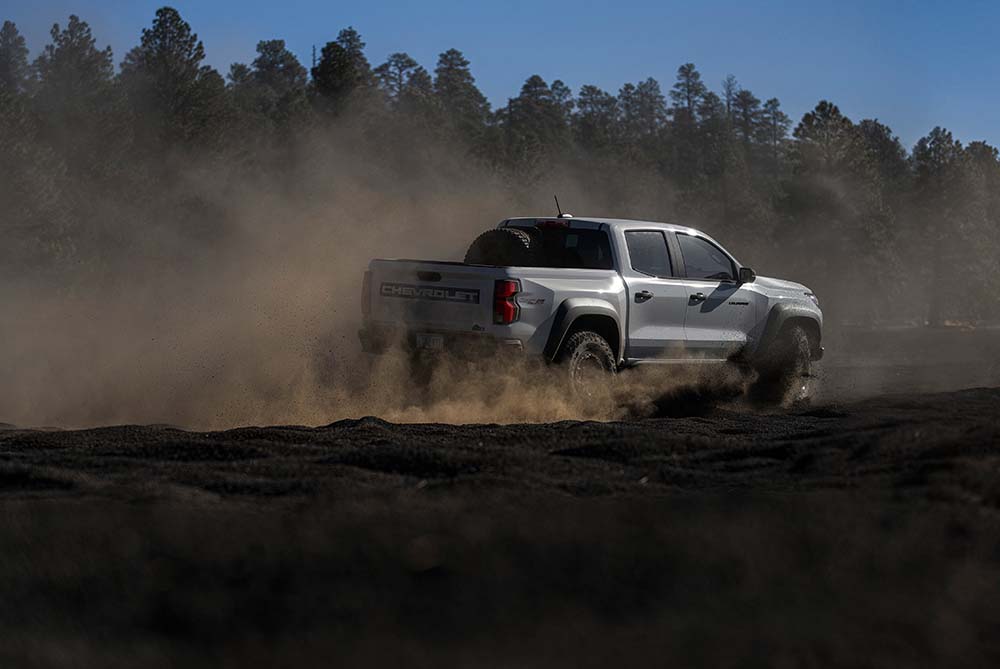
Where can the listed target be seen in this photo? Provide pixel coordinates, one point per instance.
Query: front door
(720, 311)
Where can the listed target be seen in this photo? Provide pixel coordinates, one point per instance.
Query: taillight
(505, 309)
(366, 294)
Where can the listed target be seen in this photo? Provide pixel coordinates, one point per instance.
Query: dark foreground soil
(864, 534)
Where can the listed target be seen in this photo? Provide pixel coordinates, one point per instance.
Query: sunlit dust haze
(256, 321)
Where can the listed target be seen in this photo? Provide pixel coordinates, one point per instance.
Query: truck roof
(620, 223)
(625, 223)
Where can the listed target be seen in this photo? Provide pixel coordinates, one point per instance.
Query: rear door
(657, 299)
(720, 311)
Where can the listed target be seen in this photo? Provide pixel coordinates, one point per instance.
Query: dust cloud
(511, 390)
(246, 310)
(252, 318)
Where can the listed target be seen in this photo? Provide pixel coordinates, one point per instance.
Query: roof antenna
(559, 209)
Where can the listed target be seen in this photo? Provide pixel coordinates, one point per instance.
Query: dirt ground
(863, 531)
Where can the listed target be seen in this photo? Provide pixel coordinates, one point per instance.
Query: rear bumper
(377, 339)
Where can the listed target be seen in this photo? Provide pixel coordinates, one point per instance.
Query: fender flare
(572, 309)
(776, 319)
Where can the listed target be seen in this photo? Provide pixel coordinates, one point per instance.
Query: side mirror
(747, 275)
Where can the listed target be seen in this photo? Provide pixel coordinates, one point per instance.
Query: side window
(647, 252)
(577, 248)
(704, 260)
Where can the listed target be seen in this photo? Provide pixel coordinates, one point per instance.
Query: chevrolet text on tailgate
(591, 296)
(428, 293)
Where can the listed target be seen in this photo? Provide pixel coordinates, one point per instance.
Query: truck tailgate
(437, 296)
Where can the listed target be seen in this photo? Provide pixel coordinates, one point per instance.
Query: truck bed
(426, 297)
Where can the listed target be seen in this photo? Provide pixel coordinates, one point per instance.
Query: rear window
(573, 248)
(648, 253)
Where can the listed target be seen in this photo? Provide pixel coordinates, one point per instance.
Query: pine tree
(981, 251)
(935, 159)
(274, 87)
(712, 138)
(643, 121)
(341, 72)
(746, 115)
(838, 193)
(730, 87)
(409, 91)
(886, 152)
(774, 126)
(534, 127)
(334, 78)
(595, 125)
(393, 75)
(277, 68)
(562, 96)
(460, 100)
(826, 140)
(179, 100)
(14, 71)
(35, 222)
(939, 163)
(72, 62)
(417, 100)
(354, 47)
(687, 94)
(81, 111)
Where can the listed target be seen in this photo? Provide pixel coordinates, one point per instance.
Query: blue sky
(912, 64)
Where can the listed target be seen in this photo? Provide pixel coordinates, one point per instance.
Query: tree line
(91, 152)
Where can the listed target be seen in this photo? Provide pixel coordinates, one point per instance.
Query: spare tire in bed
(503, 246)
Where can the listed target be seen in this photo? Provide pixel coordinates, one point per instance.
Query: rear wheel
(785, 374)
(590, 365)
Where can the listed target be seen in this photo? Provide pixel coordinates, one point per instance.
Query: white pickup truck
(594, 295)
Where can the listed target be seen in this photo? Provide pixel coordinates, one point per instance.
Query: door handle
(643, 295)
(698, 297)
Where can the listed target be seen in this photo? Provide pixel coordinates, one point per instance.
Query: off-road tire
(785, 372)
(590, 368)
(508, 247)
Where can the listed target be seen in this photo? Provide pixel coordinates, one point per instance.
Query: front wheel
(786, 374)
(590, 365)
